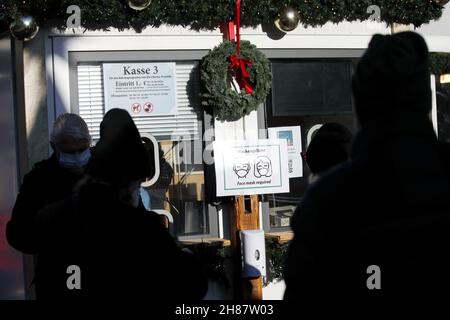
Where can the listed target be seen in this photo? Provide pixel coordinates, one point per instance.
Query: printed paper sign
(293, 137)
(251, 167)
(143, 89)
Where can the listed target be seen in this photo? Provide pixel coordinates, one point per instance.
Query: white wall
(274, 291)
(437, 33)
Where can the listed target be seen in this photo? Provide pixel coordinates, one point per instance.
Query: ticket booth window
(180, 188)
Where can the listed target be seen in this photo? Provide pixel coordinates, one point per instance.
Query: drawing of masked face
(241, 167)
(263, 167)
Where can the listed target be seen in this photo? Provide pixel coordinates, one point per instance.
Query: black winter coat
(46, 183)
(389, 207)
(122, 252)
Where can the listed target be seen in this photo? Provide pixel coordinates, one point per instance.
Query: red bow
(241, 64)
(242, 75)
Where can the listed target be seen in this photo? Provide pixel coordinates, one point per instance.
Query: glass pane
(180, 187)
(311, 87)
(311, 99)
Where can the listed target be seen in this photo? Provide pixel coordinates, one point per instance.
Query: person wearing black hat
(380, 222)
(121, 250)
(329, 146)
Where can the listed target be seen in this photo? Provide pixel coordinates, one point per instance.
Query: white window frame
(58, 72)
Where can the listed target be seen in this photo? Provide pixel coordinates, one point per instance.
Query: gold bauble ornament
(138, 5)
(288, 19)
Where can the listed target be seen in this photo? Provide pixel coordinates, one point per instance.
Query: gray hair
(69, 124)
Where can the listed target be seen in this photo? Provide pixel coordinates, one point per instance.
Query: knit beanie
(120, 156)
(392, 77)
(329, 146)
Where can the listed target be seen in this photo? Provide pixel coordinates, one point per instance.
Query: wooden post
(397, 27)
(246, 289)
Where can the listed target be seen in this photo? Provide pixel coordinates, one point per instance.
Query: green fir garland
(213, 259)
(275, 260)
(439, 63)
(218, 97)
(208, 14)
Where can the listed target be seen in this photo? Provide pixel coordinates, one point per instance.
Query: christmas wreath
(234, 84)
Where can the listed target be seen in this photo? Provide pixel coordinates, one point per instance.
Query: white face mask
(74, 160)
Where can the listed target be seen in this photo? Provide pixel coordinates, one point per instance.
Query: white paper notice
(293, 137)
(251, 167)
(143, 89)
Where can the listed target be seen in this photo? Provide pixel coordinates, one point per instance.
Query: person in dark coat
(329, 147)
(49, 181)
(159, 189)
(379, 223)
(122, 251)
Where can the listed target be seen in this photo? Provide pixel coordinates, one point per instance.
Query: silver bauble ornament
(288, 19)
(139, 5)
(24, 28)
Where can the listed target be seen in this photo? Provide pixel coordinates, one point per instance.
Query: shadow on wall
(272, 32)
(12, 275)
(36, 99)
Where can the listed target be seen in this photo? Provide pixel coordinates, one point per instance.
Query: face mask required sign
(251, 167)
(143, 89)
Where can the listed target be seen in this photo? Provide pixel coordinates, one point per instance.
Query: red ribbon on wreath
(238, 64)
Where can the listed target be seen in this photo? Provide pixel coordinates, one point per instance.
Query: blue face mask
(74, 160)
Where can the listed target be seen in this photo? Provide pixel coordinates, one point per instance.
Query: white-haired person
(50, 180)
(122, 251)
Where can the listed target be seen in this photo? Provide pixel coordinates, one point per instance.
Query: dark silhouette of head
(329, 146)
(392, 77)
(120, 157)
